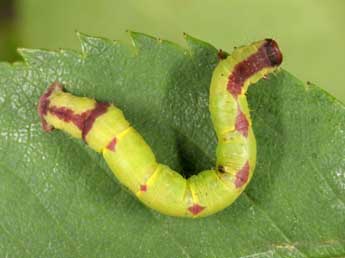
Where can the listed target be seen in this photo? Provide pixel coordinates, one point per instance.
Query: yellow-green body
(156, 185)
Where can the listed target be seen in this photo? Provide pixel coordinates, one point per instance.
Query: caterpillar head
(273, 52)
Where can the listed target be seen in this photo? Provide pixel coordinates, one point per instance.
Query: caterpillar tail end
(43, 104)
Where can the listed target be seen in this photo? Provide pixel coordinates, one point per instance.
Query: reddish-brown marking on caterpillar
(196, 209)
(112, 144)
(242, 175)
(242, 123)
(43, 105)
(83, 121)
(143, 188)
(99, 110)
(68, 115)
(268, 55)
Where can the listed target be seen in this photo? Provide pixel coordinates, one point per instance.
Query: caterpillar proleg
(105, 129)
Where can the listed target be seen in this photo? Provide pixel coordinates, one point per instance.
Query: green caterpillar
(104, 128)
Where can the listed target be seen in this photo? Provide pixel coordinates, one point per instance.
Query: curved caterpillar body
(104, 128)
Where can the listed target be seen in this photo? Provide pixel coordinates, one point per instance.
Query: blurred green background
(310, 32)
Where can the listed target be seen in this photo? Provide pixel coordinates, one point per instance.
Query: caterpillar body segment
(105, 129)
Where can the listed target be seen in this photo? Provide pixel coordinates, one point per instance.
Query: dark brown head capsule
(273, 52)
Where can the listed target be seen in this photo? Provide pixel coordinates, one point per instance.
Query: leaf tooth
(200, 51)
(36, 56)
(84, 40)
(91, 44)
(142, 41)
(196, 45)
(99, 45)
(308, 85)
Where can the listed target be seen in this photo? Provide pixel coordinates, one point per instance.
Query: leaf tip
(308, 85)
(21, 50)
(84, 41)
(25, 53)
(197, 47)
(140, 40)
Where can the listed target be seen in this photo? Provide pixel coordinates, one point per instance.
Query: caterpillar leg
(105, 129)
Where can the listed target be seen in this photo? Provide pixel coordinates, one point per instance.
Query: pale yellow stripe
(194, 195)
(228, 130)
(123, 133)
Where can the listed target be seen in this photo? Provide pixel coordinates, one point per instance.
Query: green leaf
(59, 199)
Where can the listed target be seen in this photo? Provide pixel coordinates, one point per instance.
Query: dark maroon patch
(43, 105)
(143, 188)
(83, 121)
(242, 175)
(268, 55)
(242, 123)
(112, 144)
(100, 109)
(196, 209)
(68, 115)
